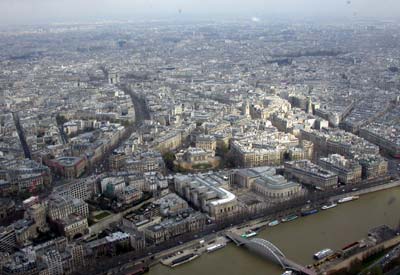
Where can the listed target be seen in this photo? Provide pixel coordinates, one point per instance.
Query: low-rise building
(82, 189)
(373, 166)
(129, 195)
(109, 245)
(335, 141)
(208, 193)
(387, 138)
(7, 208)
(146, 162)
(265, 181)
(309, 173)
(68, 167)
(249, 156)
(169, 141)
(305, 150)
(194, 158)
(348, 170)
(171, 205)
(60, 207)
(21, 263)
(8, 239)
(206, 142)
(154, 181)
(172, 227)
(73, 226)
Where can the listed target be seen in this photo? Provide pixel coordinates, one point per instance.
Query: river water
(301, 238)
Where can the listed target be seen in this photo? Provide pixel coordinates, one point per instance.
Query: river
(300, 239)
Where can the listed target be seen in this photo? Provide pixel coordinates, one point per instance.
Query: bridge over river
(270, 252)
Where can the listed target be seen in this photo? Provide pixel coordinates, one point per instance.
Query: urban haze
(199, 137)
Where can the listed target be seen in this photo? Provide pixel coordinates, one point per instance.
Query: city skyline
(46, 11)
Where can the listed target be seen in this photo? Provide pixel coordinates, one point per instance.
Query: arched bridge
(270, 252)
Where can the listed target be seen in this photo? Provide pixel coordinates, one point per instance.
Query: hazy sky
(36, 11)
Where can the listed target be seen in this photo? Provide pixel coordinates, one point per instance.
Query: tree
(342, 271)
(376, 270)
(223, 150)
(355, 266)
(60, 119)
(179, 169)
(169, 158)
(392, 264)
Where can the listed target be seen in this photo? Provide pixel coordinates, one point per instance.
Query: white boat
(214, 247)
(249, 234)
(289, 218)
(273, 223)
(288, 272)
(329, 206)
(323, 253)
(347, 199)
(184, 259)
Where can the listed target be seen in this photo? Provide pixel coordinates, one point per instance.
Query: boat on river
(184, 259)
(347, 199)
(273, 223)
(307, 212)
(323, 253)
(289, 218)
(215, 247)
(249, 234)
(329, 206)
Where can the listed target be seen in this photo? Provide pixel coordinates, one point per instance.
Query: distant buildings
(196, 158)
(269, 106)
(206, 142)
(19, 176)
(113, 77)
(68, 167)
(129, 195)
(387, 138)
(169, 141)
(334, 141)
(145, 162)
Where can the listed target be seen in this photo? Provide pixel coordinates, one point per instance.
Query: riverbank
(201, 248)
(153, 258)
(364, 249)
(359, 192)
(301, 238)
(262, 224)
